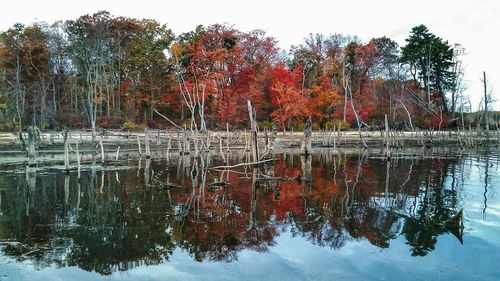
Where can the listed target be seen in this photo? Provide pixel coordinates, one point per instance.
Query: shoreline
(116, 144)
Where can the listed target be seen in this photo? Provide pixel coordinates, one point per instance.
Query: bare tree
(90, 52)
(192, 95)
(487, 100)
(11, 42)
(458, 84)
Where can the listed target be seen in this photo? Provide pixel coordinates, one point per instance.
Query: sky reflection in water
(348, 217)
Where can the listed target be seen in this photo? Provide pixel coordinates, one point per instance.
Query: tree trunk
(306, 147)
(30, 145)
(148, 150)
(253, 133)
(270, 140)
(66, 151)
(486, 120)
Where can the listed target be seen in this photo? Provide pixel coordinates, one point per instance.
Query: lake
(348, 215)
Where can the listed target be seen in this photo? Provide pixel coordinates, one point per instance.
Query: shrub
(44, 125)
(70, 120)
(10, 126)
(151, 123)
(266, 124)
(109, 121)
(131, 125)
(316, 126)
(186, 123)
(298, 127)
(338, 124)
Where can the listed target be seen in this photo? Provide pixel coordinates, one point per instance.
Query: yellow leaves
(176, 50)
(322, 101)
(98, 99)
(291, 101)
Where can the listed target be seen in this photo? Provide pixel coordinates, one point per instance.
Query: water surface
(338, 216)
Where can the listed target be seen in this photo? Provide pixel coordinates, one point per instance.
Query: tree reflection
(95, 222)
(115, 220)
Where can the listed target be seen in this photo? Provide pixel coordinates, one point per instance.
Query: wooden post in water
(253, 133)
(30, 147)
(78, 162)
(334, 139)
(306, 147)
(169, 146)
(186, 142)
(194, 133)
(117, 153)
(386, 139)
(208, 141)
(220, 149)
(227, 137)
(66, 151)
(272, 138)
(139, 145)
(179, 143)
(339, 135)
(148, 150)
(102, 149)
(485, 116)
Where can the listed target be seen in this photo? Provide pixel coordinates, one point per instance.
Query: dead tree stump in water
(101, 145)
(253, 133)
(306, 147)
(387, 140)
(270, 140)
(148, 150)
(139, 145)
(30, 145)
(66, 152)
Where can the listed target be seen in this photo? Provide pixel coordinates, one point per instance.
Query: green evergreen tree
(430, 61)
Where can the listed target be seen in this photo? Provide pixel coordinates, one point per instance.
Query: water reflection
(138, 212)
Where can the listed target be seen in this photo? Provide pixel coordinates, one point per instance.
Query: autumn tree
(103, 70)
(218, 68)
(90, 53)
(144, 72)
(194, 65)
(28, 74)
(12, 66)
(287, 94)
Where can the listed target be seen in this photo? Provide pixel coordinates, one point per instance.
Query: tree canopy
(430, 61)
(102, 70)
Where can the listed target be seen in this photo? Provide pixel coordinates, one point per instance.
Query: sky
(474, 24)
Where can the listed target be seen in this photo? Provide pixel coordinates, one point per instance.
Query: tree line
(102, 70)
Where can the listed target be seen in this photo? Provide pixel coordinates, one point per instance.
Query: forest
(105, 71)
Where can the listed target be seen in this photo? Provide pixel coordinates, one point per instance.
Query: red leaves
(279, 74)
(121, 61)
(291, 102)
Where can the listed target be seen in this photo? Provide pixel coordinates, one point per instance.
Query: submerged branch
(241, 164)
